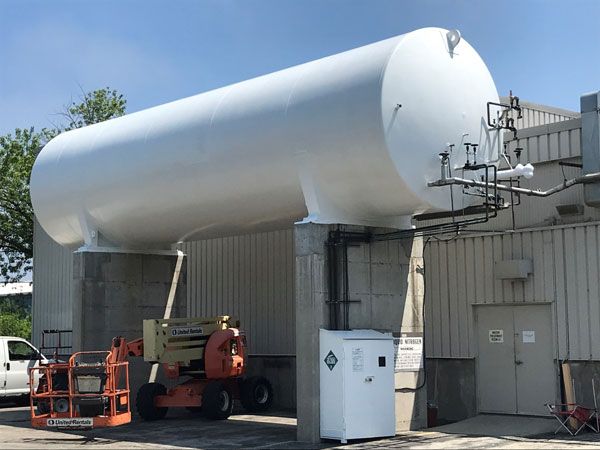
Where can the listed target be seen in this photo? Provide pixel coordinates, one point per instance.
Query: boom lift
(90, 390)
(209, 352)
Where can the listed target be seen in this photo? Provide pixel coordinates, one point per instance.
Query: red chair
(573, 413)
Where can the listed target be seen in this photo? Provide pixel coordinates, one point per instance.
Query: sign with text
(186, 331)
(70, 422)
(528, 337)
(408, 352)
(358, 359)
(496, 336)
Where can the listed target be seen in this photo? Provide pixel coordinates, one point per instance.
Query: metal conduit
(584, 179)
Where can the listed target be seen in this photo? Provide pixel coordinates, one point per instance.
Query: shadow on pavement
(183, 429)
(179, 429)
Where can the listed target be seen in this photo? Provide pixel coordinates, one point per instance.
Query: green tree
(18, 151)
(14, 324)
(93, 107)
(17, 154)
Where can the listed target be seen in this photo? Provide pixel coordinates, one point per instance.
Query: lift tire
(144, 401)
(217, 401)
(43, 407)
(60, 382)
(256, 394)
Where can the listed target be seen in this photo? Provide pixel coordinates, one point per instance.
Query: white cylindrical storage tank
(352, 138)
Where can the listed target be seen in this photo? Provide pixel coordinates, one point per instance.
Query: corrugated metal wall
(544, 146)
(250, 277)
(52, 278)
(535, 114)
(548, 142)
(460, 273)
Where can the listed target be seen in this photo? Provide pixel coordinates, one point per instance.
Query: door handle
(518, 363)
(7, 366)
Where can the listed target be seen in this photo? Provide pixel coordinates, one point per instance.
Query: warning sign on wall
(408, 352)
(496, 336)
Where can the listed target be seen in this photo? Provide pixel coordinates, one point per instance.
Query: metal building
(503, 308)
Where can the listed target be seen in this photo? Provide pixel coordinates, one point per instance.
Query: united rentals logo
(186, 331)
(74, 422)
(330, 360)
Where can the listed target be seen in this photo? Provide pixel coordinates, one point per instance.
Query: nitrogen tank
(352, 138)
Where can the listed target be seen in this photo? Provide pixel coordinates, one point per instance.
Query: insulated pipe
(584, 179)
(519, 170)
(352, 138)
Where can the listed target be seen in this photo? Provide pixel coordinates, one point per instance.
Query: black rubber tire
(60, 382)
(256, 394)
(144, 401)
(23, 400)
(217, 401)
(43, 407)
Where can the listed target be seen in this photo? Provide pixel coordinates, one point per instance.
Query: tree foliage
(17, 154)
(15, 316)
(14, 324)
(94, 107)
(18, 151)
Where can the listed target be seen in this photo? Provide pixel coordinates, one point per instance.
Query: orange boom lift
(90, 390)
(209, 353)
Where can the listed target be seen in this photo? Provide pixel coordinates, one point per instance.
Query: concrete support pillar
(411, 404)
(113, 292)
(385, 287)
(311, 313)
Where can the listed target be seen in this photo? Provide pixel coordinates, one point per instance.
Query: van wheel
(144, 401)
(217, 401)
(256, 394)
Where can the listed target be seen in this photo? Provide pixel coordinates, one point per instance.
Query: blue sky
(156, 51)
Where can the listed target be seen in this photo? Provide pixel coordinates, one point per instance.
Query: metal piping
(584, 179)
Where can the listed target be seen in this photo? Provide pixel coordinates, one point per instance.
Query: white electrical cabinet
(357, 384)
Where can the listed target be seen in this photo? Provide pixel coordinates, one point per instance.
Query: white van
(17, 356)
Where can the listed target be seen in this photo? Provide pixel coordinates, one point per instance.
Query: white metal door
(496, 381)
(515, 366)
(369, 384)
(534, 358)
(21, 357)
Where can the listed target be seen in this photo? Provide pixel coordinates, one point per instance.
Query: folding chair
(583, 417)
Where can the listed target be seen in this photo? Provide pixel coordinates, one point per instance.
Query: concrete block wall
(114, 292)
(386, 290)
(387, 278)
